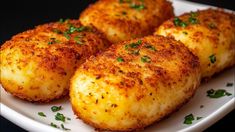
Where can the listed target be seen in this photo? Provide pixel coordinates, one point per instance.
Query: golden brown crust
(119, 22)
(131, 85)
(36, 65)
(212, 34)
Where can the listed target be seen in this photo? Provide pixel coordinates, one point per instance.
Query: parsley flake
(120, 59)
(212, 26)
(60, 117)
(66, 129)
(56, 108)
(41, 114)
(137, 6)
(229, 84)
(212, 58)
(198, 118)
(146, 59)
(178, 22)
(151, 47)
(78, 40)
(217, 93)
(188, 119)
(54, 125)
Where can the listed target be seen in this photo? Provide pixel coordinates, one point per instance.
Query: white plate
(25, 114)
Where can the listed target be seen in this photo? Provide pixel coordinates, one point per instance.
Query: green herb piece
(146, 59)
(198, 118)
(124, 13)
(54, 125)
(41, 114)
(229, 84)
(56, 108)
(61, 20)
(53, 41)
(212, 26)
(183, 24)
(60, 117)
(120, 59)
(68, 118)
(193, 20)
(57, 31)
(151, 47)
(71, 29)
(66, 35)
(212, 58)
(135, 52)
(77, 39)
(228, 94)
(137, 6)
(188, 119)
(179, 22)
(217, 93)
(66, 129)
(82, 28)
(184, 32)
(193, 14)
(124, 1)
(135, 45)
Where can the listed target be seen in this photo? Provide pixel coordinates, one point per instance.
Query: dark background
(17, 16)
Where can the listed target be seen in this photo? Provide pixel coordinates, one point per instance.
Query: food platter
(25, 114)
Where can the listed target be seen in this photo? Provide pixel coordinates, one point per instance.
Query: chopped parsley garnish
(72, 29)
(192, 19)
(212, 26)
(124, 1)
(179, 22)
(133, 5)
(60, 117)
(184, 32)
(120, 59)
(54, 125)
(57, 31)
(193, 14)
(41, 114)
(56, 108)
(53, 40)
(151, 47)
(61, 20)
(137, 6)
(146, 59)
(217, 93)
(124, 13)
(212, 58)
(229, 84)
(66, 35)
(188, 119)
(66, 129)
(135, 52)
(134, 45)
(78, 39)
(198, 118)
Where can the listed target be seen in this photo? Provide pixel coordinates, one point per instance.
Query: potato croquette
(209, 34)
(122, 20)
(37, 65)
(134, 83)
